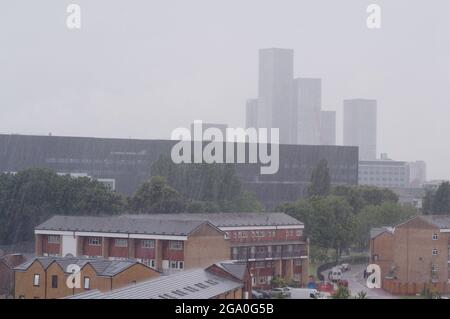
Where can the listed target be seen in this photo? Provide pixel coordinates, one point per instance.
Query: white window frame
(92, 241)
(121, 242)
(53, 239)
(148, 262)
(434, 237)
(36, 280)
(148, 243)
(87, 283)
(176, 245)
(176, 264)
(435, 252)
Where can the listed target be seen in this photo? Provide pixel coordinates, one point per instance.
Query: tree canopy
(32, 196)
(438, 202)
(320, 180)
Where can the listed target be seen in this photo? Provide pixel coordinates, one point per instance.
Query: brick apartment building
(224, 280)
(414, 255)
(7, 264)
(46, 277)
(272, 244)
(165, 245)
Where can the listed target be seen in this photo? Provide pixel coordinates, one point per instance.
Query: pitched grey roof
(231, 219)
(439, 221)
(236, 269)
(376, 231)
(103, 267)
(192, 284)
(126, 224)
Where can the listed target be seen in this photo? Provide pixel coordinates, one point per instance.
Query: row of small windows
(37, 281)
(123, 242)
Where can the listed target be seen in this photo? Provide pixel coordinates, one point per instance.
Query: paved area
(357, 283)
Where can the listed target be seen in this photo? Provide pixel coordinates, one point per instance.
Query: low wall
(400, 288)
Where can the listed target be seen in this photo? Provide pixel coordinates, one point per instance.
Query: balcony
(246, 255)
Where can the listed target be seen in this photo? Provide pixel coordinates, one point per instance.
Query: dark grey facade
(128, 162)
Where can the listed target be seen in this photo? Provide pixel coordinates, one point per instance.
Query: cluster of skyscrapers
(294, 105)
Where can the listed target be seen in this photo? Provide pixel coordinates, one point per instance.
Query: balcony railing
(243, 255)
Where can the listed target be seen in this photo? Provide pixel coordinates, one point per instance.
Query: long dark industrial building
(126, 163)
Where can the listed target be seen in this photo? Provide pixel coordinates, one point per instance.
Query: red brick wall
(171, 254)
(91, 250)
(50, 248)
(140, 252)
(115, 251)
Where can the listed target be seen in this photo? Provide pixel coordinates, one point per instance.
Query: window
(148, 243)
(36, 280)
(54, 281)
(121, 242)
(435, 237)
(434, 252)
(297, 262)
(94, 241)
(176, 245)
(260, 264)
(87, 283)
(176, 264)
(53, 239)
(148, 262)
(298, 233)
(258, 233)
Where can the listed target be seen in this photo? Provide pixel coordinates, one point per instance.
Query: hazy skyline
(142, 68)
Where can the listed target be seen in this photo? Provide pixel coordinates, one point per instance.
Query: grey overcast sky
(141, 68)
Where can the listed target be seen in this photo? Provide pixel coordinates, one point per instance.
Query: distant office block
(308, 101)
(251, 113)
(275, 106)
(328, 128)
(360, 126)
(417, 173)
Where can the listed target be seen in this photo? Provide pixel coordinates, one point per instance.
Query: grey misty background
(142, 68)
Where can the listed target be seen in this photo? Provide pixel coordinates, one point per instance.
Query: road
(356, 283)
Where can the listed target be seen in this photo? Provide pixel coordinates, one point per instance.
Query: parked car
(257, 295)
(346, 267)
(283, 292)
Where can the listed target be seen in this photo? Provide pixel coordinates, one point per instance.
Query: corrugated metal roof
(192, 284)
(121, 224)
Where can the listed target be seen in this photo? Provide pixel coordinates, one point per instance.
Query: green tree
(441, 199)
(156, 196)
(341, 293)
(207, 187)
(31, 196)
(386, 214)
(320, 180)
(361, 196)
(329, 221)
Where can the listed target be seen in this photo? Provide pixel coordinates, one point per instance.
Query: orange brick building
(224, 280)
(414, 255)
(47, 277)
(165, 245)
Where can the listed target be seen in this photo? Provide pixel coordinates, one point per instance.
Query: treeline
(340, 218)
(30, 197)
(437, 202)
